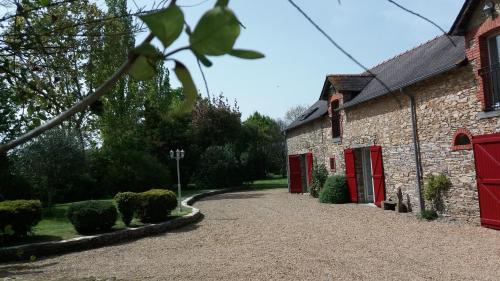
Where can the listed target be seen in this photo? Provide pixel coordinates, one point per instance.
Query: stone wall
(444, 104)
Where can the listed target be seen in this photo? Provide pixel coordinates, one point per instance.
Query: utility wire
(357, 62)
(424, 18)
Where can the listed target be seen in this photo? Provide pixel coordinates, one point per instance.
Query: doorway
(364, 175)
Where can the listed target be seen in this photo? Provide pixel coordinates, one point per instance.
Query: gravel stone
(274, 235)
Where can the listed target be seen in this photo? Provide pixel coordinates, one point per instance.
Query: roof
(349, 82)
(317, 110)
(429, 59)
(458, 26)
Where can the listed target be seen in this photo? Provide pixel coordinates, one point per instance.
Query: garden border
(42, 249)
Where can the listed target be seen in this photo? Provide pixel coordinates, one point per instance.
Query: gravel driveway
(273, 235)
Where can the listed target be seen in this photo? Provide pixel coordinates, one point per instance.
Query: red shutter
(295, 174)
(309, 161)
(378, 175)
(350, 172)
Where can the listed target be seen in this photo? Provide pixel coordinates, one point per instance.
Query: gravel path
(273, 235)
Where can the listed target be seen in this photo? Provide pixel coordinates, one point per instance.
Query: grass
(55, 226)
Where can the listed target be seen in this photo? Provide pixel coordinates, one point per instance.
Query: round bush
(126, 202)
(92, 216)
(335, 190)
(155, 205)
(17, 217)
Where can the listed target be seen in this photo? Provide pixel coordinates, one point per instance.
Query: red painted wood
(487, 159)
(295, 174)
(378, 174)
(309, 161)
(350, 172)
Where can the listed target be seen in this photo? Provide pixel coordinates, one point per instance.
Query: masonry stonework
(444, 104)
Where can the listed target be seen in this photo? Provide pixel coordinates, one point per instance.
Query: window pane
(494, 44)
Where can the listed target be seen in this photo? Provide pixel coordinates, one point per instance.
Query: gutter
(416, 148)
(287, 162)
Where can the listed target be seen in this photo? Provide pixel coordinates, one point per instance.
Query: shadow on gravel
(237, 195)
(22, 269)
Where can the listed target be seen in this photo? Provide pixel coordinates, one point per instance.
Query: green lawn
(55, 226)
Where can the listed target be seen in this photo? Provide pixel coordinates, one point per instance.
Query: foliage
(92, 216)
(218, 168)
(262, 147)
(429, 215)
(320, 175)
(434, 185)
(17, 217)
(128, 170)
(13, 186)
(126, 203)
(55, 165)
(155, 205)
(335, 190)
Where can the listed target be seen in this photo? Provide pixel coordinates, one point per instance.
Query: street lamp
(178, 155)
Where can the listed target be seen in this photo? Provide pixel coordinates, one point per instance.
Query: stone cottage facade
(433, 109)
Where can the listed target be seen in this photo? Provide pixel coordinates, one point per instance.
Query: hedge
(18, 217)
(155, 205)
(92, 216)
(335, 190)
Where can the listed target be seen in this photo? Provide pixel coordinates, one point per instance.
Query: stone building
(433, 109)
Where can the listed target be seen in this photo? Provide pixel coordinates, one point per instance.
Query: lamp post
(178, 155)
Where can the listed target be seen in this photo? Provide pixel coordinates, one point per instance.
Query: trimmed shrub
(17, 217)
(155, 205)
(335, 190)
(126, 202)
(92, 216)
(434, 186)
(429, 215)
(320, 174)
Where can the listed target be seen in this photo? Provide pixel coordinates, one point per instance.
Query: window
(335, 119)
(492, 74)
(462, 140)
(332, 164)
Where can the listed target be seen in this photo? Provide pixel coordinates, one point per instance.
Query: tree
(214, 35)
(294, 112)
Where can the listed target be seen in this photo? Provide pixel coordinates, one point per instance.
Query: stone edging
(24, 252)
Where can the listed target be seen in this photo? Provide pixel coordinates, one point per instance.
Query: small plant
(320, 174)
(92, 216)
(335, 190)
(126, 202)
(155, 205)
(429, 215)
(17, 217)
(434, 187)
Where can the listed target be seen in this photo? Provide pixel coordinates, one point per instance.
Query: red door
(295, 174)
(378, 175)
(309, 161)
(487, 158)
(350, 172)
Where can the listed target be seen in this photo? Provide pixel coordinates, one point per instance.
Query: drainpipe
(416, 148)
(287, 163)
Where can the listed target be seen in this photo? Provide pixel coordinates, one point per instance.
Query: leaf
(246, 54)
(189, 89)
(142, 69)
(149, 51)
(215, 33)
(166, 24)
(222, 3)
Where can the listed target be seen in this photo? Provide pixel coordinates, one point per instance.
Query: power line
(351, 57)
(424, 18)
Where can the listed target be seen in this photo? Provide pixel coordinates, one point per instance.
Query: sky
(298, 58)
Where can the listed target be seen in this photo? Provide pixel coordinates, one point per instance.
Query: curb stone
(24, 252)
